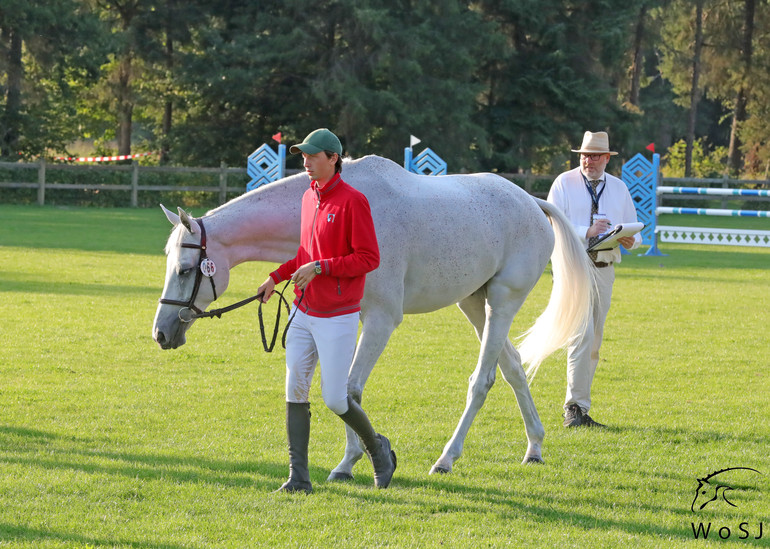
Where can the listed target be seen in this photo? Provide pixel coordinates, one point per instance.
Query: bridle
(207, 268)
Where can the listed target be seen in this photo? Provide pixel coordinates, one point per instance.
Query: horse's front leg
(377, 327)
(353, 452)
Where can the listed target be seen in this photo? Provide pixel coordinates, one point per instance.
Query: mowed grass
(107, 441)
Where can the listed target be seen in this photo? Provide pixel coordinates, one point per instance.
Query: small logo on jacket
(330, 218)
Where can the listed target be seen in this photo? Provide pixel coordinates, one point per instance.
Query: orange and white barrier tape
(102, 158)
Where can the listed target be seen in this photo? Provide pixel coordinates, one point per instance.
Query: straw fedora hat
(595, 143)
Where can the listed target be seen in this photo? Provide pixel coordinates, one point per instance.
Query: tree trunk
(168, 106)
(636, 64)
(735, 155)
(125, 106)
(12, 117)
(694, 89)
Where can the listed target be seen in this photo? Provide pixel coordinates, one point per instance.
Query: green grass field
(107, 441)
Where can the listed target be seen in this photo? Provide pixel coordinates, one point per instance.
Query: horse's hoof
(339, 477)
(533, 459)
(440, 470)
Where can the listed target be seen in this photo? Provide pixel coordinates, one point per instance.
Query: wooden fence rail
(44, 177)
(536, 185)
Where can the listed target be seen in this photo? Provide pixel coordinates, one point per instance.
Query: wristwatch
(317, 267)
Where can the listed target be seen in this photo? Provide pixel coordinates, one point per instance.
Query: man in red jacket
(338, 246)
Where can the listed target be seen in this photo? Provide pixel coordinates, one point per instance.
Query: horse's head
(196, 274)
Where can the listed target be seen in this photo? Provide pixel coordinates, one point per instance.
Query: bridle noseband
(204, 263)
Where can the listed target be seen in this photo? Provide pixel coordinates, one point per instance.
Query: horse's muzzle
(167, 343)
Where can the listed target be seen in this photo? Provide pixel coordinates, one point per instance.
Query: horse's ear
(186, 221)
(171, 216)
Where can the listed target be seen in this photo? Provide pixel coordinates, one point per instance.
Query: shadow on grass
(50, 451)
(650, 518)
(691, 437)
(549, 512)
(12, 533)
(65, 287)
(561, 511)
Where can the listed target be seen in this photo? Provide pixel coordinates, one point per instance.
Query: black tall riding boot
(377, 446)
(298, 433)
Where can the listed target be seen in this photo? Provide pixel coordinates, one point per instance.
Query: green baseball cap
(317, 141)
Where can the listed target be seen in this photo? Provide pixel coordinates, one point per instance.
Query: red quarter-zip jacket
(337, 230)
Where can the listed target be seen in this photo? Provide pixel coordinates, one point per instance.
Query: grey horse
(475, 240)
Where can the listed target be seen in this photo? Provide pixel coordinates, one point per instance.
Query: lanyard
(594, 196)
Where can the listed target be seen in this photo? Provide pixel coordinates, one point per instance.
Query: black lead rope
(281, 300)
(219, 312)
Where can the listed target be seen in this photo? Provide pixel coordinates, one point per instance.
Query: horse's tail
(569, 309)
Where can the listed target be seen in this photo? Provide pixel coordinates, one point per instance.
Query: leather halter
(190, 303)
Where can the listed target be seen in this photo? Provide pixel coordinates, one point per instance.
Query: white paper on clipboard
(609, 240)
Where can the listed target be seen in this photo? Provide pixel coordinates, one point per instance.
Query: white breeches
(583, 353)
(330, 341)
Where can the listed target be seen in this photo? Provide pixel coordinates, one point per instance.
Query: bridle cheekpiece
(205, 267)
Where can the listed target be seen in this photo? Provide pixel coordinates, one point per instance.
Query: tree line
(492, 85)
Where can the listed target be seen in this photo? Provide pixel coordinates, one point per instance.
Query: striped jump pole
(714, 192)
(704, 235)
(712, 211)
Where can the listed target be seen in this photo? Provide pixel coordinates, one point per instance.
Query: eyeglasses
(593, 157)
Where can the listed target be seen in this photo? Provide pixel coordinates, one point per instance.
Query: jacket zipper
(312, 234)
(315, 217)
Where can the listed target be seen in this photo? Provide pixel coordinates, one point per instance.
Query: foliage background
(504, 85)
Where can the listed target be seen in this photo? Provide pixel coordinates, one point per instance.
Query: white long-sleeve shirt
(569, 193)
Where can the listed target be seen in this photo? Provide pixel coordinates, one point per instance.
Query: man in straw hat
(593, 200)
(338, 246)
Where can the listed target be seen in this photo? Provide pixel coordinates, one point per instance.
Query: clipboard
(609, 240)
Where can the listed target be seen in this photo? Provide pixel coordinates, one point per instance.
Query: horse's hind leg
(492, 325)
(377, 327)
(513, 373)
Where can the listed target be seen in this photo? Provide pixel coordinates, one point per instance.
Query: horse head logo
(711, 489)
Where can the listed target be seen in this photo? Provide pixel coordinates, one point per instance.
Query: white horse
(475, 240)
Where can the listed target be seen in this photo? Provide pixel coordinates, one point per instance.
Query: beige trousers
(583, 353)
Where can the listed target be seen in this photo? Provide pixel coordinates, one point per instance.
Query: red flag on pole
(277, 137)
(651, 147)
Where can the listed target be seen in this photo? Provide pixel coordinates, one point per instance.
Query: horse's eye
(185, 272)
